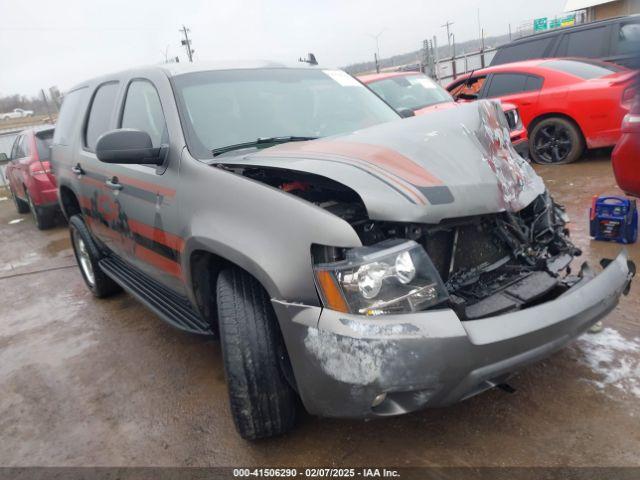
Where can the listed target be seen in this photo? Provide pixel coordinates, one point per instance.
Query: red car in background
(419, 94)
(32, 185)
(626, 155)
(566, 104)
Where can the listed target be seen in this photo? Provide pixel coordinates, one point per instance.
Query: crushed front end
(497, 263)
(509, 298)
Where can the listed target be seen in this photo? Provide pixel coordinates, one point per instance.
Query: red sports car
(626, 155)
(566, 104)
(416, 92)
(32, 185)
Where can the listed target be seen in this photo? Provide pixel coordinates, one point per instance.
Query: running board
(168, 305)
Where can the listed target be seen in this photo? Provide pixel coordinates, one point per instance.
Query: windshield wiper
(259, 141)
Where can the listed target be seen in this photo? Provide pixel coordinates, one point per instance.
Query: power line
(186, 42)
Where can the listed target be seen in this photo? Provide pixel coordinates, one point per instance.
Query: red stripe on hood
(383, 157)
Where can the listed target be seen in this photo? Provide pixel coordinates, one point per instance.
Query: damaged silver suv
(366, 264)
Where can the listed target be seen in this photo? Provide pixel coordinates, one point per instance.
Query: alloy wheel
(553, 143)
(84, 259)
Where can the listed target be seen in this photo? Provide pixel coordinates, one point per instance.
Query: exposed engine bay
(490, 264)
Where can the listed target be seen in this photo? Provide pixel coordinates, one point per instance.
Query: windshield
(229, 107)
(410, 91)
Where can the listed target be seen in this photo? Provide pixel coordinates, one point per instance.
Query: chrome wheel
(84, 260)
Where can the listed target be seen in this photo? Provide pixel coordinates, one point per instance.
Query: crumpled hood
(451, 163)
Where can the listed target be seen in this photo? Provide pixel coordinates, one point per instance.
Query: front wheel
(262, 403)
(88, 255)
(556, 141)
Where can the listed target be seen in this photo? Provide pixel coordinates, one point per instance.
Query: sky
(63, 42)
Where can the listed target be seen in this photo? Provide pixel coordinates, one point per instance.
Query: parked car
(566, 104)
(33, 187)
(417, 93)
(367, 264)
(614, 40)
(16, 113)
(626, 156)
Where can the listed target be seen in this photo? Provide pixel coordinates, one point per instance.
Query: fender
(261, 229)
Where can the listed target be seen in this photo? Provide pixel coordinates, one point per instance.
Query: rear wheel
(556, 141)
(40, 216)
(262, 403)
(21, 205)
(88, 255)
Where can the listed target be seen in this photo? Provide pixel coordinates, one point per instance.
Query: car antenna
(468, 80)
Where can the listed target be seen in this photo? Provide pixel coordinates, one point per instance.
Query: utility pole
(46, 103)
(186, 42)
(377, 54)
(447, 26)
(479, 27)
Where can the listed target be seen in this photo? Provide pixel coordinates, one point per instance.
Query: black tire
(555, 141)
(263, 404)
(21, 205)
(42, 218)
(101, 286)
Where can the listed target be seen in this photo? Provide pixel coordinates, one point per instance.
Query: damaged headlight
(394, 276)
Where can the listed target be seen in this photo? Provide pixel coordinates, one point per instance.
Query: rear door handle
(113, 184)
(77, 170)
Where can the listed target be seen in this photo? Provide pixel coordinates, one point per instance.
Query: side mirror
(129, 146)
(406, 113)
(3, 158)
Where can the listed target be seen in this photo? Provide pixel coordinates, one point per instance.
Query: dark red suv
(33, 187)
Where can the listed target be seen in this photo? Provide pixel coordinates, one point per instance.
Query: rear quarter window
(628, 40)
(590, 43)
(522, 51)
(69, 114)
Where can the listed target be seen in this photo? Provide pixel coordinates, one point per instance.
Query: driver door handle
(77, 170)
(113, 184)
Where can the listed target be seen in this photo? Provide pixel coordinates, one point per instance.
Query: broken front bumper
(342, 362)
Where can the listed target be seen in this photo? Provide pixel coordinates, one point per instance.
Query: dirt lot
(89, 382)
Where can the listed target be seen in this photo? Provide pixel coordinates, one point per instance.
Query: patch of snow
(614, 358)
(15, 220)
(2, 199)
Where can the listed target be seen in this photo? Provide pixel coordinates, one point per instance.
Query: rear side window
(585, 70)
(143, 111)
(25, 146)
(16, 151)
(584, 43)
(533, 83)
(628, 38)
(100, 115)
(506, 84)
(68, 116)
(522, 51)
(43, 142)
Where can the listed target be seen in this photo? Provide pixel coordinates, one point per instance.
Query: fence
(448, 69)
